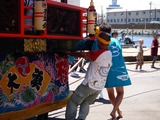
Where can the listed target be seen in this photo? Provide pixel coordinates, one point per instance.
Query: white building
(74, 2)
(119, 16)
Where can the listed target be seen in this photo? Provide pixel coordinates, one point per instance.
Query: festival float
(33, 67)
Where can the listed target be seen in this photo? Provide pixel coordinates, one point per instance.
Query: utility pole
(126, 17)
(155, 14)
(127, 20)
(101, 14)
(150, 9)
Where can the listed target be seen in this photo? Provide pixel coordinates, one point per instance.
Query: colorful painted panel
(31, 79)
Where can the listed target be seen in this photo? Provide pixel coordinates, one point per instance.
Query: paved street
(141, 99)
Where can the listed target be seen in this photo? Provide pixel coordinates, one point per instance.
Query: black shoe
(82, 70)
(75, 75)
(101, 98)
(152, 66)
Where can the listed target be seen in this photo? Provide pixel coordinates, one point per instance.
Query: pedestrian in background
(154, 49)
(81, 66)
(139, 57)
(72, 61)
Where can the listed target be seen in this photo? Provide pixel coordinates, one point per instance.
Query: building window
(147, 19)
(137, 19)
(121, 20)
(140, 20)
(154, 19)
(133, 20)
(137, 13)
(129, 20)
(114, 20)
(111, 20)
(144, 12)
(117, 20)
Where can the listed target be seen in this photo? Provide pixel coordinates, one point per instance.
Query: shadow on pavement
(102, 100)
(46, 118)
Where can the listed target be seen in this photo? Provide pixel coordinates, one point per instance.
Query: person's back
(98, 70)
(118, 68)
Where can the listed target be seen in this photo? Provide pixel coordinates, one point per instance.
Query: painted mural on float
(31, 79)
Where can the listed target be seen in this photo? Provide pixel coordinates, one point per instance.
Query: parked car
(128, 40)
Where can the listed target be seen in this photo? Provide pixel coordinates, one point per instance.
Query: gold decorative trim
(35, 45)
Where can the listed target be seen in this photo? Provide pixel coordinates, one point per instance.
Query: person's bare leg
(118, 100)
(112, 98)
(140, 67)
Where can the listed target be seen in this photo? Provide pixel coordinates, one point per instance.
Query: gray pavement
(141, 100)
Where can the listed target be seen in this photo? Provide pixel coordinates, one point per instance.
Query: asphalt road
(141, 100)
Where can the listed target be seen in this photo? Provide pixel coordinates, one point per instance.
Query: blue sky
(126, 4)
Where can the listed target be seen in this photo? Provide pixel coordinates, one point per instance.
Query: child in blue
(118, 75)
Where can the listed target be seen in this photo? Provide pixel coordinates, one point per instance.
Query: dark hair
(105, 36)
(105, 27)
(114, 32)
